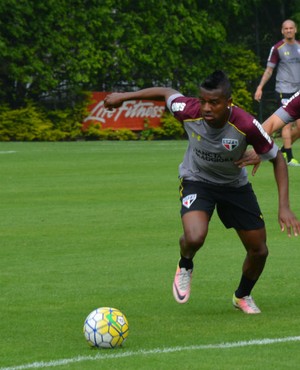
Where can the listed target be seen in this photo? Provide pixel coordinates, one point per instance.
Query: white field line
(7, 151)
(144, 352)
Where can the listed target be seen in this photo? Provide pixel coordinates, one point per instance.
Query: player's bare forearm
(286, 217)
(115, 100)
(265, 78)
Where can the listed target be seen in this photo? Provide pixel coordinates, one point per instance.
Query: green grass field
(91, 224)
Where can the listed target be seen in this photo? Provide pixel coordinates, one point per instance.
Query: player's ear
(229, 102)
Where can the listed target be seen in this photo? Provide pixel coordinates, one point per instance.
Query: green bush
(95, 132)
(24, 124)
(31, 123)
(170, 129)
(125, 134)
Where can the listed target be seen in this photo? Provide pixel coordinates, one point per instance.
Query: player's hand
(258, 94)
(288, 221)
(249, 158)
(113, 100)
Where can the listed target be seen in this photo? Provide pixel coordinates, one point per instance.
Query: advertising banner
(135, 115)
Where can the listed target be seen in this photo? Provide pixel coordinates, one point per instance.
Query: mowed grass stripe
(92, 224)
(156, 351)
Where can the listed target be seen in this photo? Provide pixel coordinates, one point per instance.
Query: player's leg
(254, 242)
(289, 135)
(286, 134)
(195, 227)
(296, 131)
(197, 206)
(238, 208)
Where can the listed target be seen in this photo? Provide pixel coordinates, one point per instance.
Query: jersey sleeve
(183, 107)
(261, 141)
(273, 58)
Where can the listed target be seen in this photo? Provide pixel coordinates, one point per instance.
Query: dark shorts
(236, 207)
(281, 98)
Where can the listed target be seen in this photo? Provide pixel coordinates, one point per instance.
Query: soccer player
(282, 116)
(285, 55)
(218, 134)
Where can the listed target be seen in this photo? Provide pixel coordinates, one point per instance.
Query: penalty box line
(144, 352)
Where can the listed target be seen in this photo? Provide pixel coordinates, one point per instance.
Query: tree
(51, 51)
(48, 48)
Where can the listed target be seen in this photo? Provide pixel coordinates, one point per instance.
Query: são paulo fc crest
(230, 144)
(189, 200)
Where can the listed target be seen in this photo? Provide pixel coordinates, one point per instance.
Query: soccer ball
(106, 327)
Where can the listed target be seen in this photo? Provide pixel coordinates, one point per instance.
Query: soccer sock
(245, 287)
(282, 149)
(289, 154)
(187, 263)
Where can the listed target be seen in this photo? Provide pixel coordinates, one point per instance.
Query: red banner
(135, 115)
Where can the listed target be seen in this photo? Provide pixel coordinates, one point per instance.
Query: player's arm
(272, 124)
(265, 78)
(115, 100)
(286, 217)
(249, 158)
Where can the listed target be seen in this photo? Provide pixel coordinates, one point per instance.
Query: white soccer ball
(106, 327)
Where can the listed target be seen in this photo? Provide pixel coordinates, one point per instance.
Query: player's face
(215, 107)
(289, 30)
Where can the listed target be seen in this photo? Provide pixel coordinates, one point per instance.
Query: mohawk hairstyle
(217, 80)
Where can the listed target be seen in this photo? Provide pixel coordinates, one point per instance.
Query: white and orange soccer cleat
(182, 284)
(245, 304)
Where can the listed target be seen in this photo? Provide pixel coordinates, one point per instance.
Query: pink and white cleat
(182, 284)
(245, 304)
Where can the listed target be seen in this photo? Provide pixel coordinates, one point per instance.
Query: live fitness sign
(133, 114)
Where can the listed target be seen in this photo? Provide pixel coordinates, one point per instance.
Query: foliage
(94, 131)
(242, 67)
(50, 51)
(31, 123)
(24, 124)
(170, 128)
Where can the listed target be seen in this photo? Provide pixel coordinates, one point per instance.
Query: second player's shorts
(237, 207)
(282, 98)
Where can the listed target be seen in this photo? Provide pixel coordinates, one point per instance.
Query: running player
(285, 55)
(282, 116)
(218, 134)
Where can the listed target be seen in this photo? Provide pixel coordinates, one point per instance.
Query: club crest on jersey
(230, 144)
(189, 200)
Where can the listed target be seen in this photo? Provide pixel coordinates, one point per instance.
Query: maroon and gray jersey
(290, 111)
(287, 59)
(211, 152)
